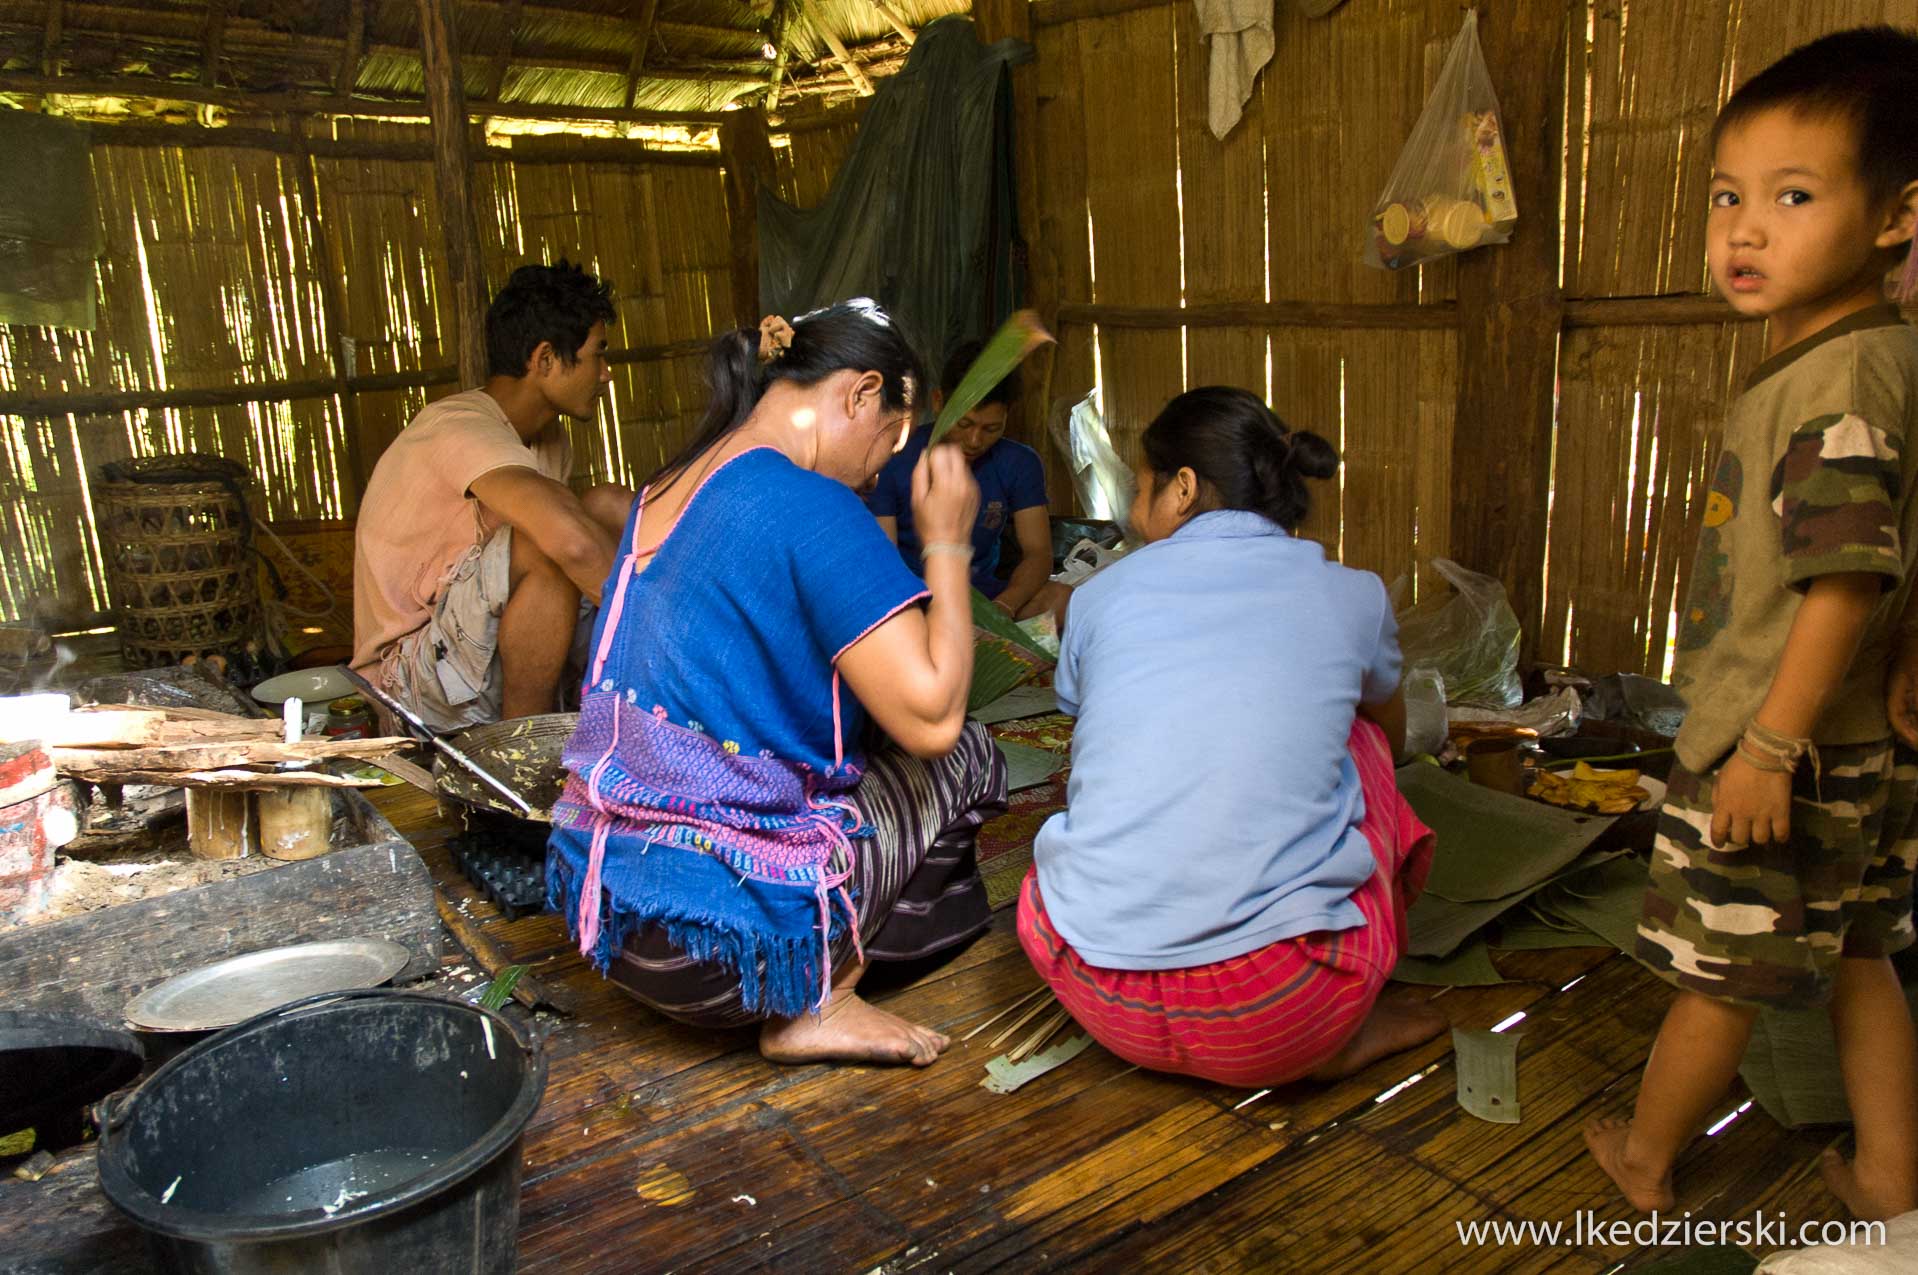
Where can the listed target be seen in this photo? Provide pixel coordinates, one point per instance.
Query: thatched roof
(673, 56)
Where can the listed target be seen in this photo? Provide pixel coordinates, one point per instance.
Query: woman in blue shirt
(725, 847)
(1225, 894)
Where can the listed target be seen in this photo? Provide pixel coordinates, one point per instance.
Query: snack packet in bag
(1451, 189)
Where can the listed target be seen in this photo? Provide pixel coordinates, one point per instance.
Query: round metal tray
(234, 990)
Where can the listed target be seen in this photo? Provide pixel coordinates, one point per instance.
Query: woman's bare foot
(1866, 1204)
(1644, 1189)
(1392, 1026)
(851, 1030)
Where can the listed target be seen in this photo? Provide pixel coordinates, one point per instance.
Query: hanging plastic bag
(1451, 189)
(1470, 638)
(1103, 479)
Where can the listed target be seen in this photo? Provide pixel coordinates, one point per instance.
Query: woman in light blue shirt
(1225, 894)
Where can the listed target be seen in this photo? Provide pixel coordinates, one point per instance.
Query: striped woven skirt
(915, 885)
(1272, 1015)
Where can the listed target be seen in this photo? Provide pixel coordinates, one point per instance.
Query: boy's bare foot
(1643, 1189)
(1392, 1026)
(851, 1030)
(1866, 1204)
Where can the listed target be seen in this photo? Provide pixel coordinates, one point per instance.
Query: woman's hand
(1750, 806)
(945, 499)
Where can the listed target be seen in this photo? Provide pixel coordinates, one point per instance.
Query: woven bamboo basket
(178, 538)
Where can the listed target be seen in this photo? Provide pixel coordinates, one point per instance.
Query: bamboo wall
(213, 275)
(809, 156)
(1139, 209)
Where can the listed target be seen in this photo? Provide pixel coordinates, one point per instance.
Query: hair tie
(775, 338)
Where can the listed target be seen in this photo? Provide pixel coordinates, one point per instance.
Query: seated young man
(1012, 485)
(471, 553)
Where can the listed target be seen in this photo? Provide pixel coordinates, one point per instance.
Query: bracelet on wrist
(957, 549)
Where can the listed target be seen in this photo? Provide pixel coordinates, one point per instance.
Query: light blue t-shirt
(1213, 807)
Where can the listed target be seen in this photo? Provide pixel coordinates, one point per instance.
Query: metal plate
(232, 991)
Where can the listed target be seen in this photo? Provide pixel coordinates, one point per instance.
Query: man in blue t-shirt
(1012, 487)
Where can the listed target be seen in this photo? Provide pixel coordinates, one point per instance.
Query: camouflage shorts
(1767, 925)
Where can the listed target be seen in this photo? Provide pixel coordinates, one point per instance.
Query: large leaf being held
(1017, 337)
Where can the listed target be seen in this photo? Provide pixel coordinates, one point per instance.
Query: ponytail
(1244, 455)
(852, 335)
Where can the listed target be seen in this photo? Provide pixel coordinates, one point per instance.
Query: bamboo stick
(1017, 1023)
(353, 50)
(1030, 1044)
(50, 41)
(841, 54)
(488, 955)
(1023, 1000)
(645, 14)
(453, 183)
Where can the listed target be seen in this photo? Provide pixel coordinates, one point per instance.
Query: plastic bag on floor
(1451, 189)
(1470, 637)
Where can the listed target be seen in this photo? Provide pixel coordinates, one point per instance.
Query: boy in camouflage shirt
(1782, 874)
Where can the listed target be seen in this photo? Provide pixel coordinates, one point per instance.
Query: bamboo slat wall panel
(207, 277)
(1638, 433)
(659, 234)
(1061, 259)
(1372, 395)
(1142, 206)
(1648, 81)
(1277, 210)
(382, 217)
(1132, 193)
(806, 162)
(1336, 103)
(211, 274)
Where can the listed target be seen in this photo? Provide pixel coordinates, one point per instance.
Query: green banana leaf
(1017, 337)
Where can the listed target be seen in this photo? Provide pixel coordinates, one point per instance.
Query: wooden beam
(161, 30)
(50, 40)
(142, 20)
(496, 78)
(851, 111)
(1051, 13)
(37, 405)
(353, 50)
(554, 149)
(782, 38)
(645, 13)
(1263, 314)
(1511, 312)
(897, 21)
(214, 41)
(1679, 310)
(318, 104)
(748, 155)
(840, 52)
(453, 180)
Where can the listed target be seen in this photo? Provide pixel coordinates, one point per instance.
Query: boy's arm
(1901, 680)
(1753, 805)
(1034, 530)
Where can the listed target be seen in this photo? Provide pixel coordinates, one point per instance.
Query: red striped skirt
(1272, 1015)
